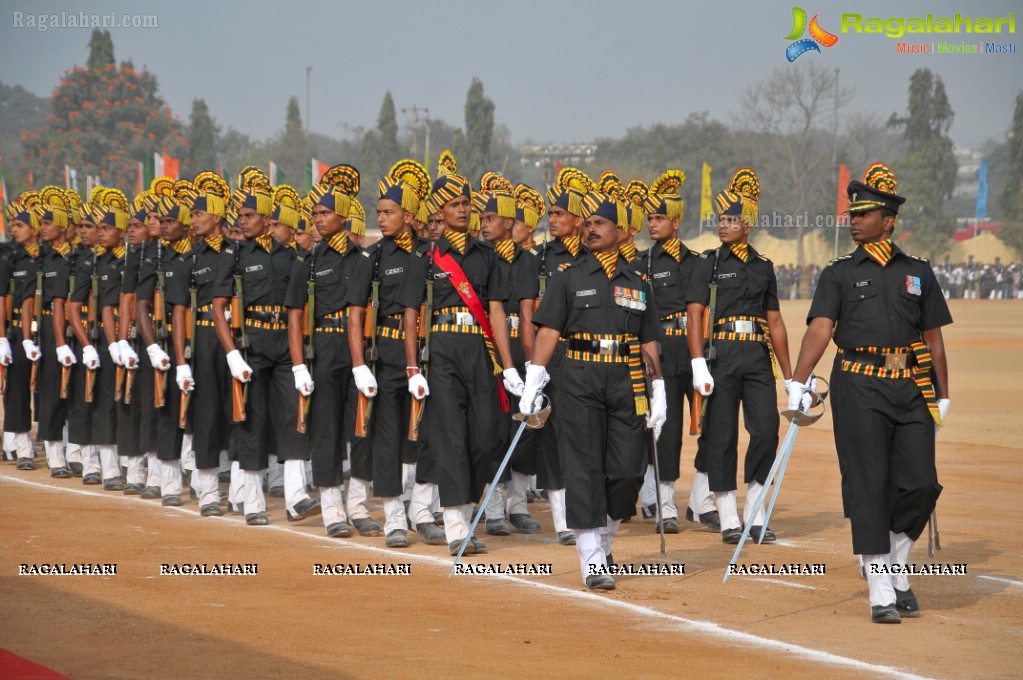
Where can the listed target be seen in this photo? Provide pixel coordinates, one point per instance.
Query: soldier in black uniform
(669, 265)
(565, 219)
(209, 405)
(464, 409)
(749, 335)
(602, 307)
(328, 268)
(272, 407)
(23, 223)
(56, 354)
(81, 234)
(889, 387)
(386, 263)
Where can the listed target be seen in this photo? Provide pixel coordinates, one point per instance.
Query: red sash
(450, 266)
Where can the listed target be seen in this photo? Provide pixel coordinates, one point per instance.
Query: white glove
(703, 381)
(239, 369)
(657, 410)
(31, 350)
(129, 359)
(115, 353)
(799, 396)
(365, 381)
(943, 406)
(418, 387)
(303, 381)
(183, 375)
(512, 382)
(90, 357)
(5, 352)
(158, 358)
(536, 378)
(65, 356)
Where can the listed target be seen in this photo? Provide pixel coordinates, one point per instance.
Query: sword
(533, 421)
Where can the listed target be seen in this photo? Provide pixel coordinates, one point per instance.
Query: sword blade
(785, 453)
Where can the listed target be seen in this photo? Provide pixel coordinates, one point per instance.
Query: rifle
(699, 406)
(91, 328)
(309, 327)
(423, 331)
(159, 326)
(543, 276)
(239, 391)
(364, 405)
(129, 380)
(34, 378)
(190, 314)
(7, 318)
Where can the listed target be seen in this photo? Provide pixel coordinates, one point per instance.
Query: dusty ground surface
(286, 622)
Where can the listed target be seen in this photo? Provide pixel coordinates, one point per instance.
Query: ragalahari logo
(817, 35)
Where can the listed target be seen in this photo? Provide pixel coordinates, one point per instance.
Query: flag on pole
(158, 165)
(982, 191)
(70, 178)
(91, 182)
(171, 166)
(3, 203)
(843, 194)
(277, 175)
(140, 183)
(313, 172)
(706, 194)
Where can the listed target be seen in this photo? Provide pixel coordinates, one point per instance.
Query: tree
(291, 148)
(19, 110)
(202, 140)
(103, 122)
(380, 148)
(474, 159)
(101, 50)
(928, 173)
(1011, 231)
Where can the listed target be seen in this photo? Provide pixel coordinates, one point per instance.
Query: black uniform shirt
(173, 264)
(201, 266)
(133, 264)
(523, 272)
(744, 288)
(392, 266)
(554, 257)
(875, 306)
(479, 264)
(108, 276)
(56, 275)
(668, 279)
(23, 276)
(265, 275)
(583, 300)
(331, 272)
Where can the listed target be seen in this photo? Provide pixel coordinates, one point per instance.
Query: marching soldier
(81, 234)
(262, 268)
(373, 289)
(889, 386)
(320, 279)
(669, 266)
(602, 307)
(468, 331)
(748, 336)
(195, 340)
(17, 350)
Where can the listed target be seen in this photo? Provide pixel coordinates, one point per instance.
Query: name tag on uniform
(728, 276)
(104, 277)
(662, 275)
(396, 270)
(913, 285)
(862, 284)
(254, 268)
(325, 272)
(50, 275)
(630, 298)
(169, 274)
(585, 293)
(202, 271)
(20, 274)
(440, 275)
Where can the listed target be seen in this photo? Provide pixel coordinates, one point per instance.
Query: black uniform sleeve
(295, 298)
(131, 270)
(771, 294)
(360, 285)
(5, 276)
(699, 284)
(827, 298)
(83, 281)
(146, 286)
(526, 273)
(413, 288)
(177, 286)
(934, 312)
(499, 281)
(223, 282)
(553, 309)
(650, 329)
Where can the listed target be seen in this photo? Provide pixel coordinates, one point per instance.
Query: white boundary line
(1010, 581)
(706, 628)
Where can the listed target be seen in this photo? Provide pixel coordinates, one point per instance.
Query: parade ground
(286, 620)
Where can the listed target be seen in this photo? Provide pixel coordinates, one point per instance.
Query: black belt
(460, 319)
(332, 321)
(392, 322)
(612, 347)
(204, 316)
(267, 317)
(677, 324)
(875, 359)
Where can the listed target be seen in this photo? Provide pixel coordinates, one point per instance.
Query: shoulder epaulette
(921, 259)
(300, 258)
(365, 253)
(763, 257)
(228, 251)
(840, 258)
(534, 251)
(694, 253)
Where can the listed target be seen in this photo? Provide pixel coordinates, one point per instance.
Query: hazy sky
(557, 70)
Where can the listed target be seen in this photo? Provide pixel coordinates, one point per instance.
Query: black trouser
(272, 408)
(17, 393)
(390, 418)
(332, 375)
(129, 417)
(52, 410)
(742, 374)
(426, 463)
(361, 463)
(142, 394)
(601, 439)
(210, 405)
(79, 416)
(548, 465)
(461, 416)
(102, 408)
(169, 435)
(524, 460)
(678, 386)
(884, 435)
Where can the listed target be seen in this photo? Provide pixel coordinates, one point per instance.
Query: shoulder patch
(228, 251)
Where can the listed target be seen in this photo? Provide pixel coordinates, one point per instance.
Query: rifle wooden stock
(158, 306)
(188, 323)
(118, 383)
(158, 386)
(33, 380)
(236, 313)
(129, 385)
(90, 385)
(65, 376)
(413, 419)
(237, 401)
(3, 378)
(362, 416)
(183, 408)
(696, 407)
(302, 425)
